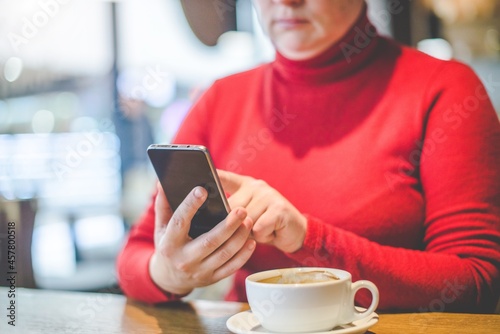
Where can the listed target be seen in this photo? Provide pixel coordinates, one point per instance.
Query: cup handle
(355, 314)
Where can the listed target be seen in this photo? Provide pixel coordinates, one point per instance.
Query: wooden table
(42, 311)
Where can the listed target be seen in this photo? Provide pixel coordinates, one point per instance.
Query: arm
(458, 269)
(133, 260)
(160, 262)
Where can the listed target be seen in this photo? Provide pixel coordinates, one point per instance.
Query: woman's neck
(350, 53)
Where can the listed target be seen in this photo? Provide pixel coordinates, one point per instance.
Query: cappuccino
(300, 277)
(306, 299)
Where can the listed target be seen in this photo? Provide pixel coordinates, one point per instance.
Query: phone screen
(180, 168)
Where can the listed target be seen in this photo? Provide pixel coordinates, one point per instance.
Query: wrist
(302, 234)
(156, 272)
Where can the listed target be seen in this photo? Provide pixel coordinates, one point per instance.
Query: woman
(347, 151)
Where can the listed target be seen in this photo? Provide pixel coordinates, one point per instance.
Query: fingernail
(251, 244)
(198, 193)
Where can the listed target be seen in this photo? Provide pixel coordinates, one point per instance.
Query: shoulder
(235, 87)
(428, 78)
(420, 64)
(230, 91)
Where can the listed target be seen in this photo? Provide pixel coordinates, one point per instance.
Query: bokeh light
(43, 121)
(13, 69)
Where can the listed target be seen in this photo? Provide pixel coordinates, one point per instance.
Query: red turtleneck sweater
(392, 155)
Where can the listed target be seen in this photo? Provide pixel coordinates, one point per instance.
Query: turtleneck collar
(346, 56)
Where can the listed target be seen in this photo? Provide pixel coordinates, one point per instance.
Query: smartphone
(180, 168)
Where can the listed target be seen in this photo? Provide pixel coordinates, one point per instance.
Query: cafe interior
(87, 86)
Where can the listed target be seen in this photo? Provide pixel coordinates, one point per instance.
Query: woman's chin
(298, 53)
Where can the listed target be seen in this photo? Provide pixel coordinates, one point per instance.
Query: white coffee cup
(306, 307)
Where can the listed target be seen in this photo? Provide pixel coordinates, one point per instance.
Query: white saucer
(246, 323)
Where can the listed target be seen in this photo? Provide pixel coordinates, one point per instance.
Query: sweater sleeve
(458, 269)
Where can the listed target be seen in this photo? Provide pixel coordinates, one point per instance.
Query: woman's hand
(179, 263)
(276, 221)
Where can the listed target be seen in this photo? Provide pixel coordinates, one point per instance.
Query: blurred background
(87, 85)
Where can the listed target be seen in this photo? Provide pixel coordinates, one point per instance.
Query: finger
(236, 262)
(254, 203)
(208, 242)
(231, 255)
(231, 182)
(228, 249)
(179, 224)
(163, 211)
(264, 229)
(240, 199)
